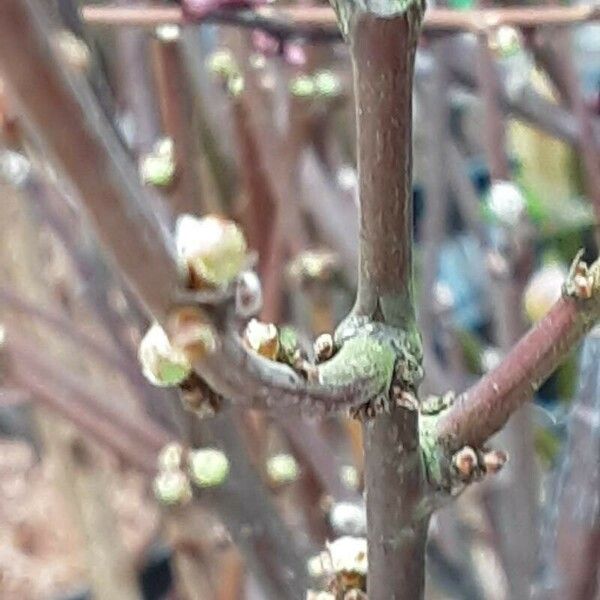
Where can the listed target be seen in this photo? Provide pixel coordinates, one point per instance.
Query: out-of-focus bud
(265, 43)
(294, 54)
(158, 167)
(170, 457)
(235, 85)
(465, 462)
(262, 338)
(73, 50)
(324, 347)
(162, 364)
(222, 63)
(168, 32)
(191, 334)
(302, 86)
(494, 460)
(211, 249)
(490, 358)
(506, 202)
(172, 488)
(348, 518)
(318, 595)
(208, 467)
(543, 290)
(14, 168)
(313, 265)
(248, 295)
(327, 84)
(346, 558)
(349, 477)
(282, 469)
(505, 41)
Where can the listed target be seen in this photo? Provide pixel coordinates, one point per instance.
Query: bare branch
(318, 22)
(485, 407)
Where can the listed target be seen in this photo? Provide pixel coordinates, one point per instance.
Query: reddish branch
(176, 103)
(303, 20)
(485, 407)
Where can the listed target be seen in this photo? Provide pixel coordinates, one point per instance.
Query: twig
(485, 407)
(177, 112)
(318, 22)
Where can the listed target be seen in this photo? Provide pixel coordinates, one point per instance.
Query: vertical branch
(383, 47)
(514, 491)
(177, 113)
(383, 58)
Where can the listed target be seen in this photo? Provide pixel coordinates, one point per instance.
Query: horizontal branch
(484, 408)
(318, 22)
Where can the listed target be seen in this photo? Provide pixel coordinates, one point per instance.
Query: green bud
(208, 467)
(302, 86)
(282, 468)
(170, 457)
(212, 248)
(172, 488)
(221, 62)
(162, 364)
(327, 84)
(157, 169)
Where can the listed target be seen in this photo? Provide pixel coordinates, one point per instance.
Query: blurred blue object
(462, 272)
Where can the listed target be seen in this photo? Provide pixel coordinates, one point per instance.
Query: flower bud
(327, 84)
(211, 249)
(348, 554)
(158, 167)
(282, 468)
(172, 488)
(543, 289)
(302, 86)
(222, 63)
(162, 364)
(191, 334)
(73, 50)
(506, 202)
(170, 457)
(248, 295)
(262, 338)
(208, 467)
(348, 518)
(323, 347)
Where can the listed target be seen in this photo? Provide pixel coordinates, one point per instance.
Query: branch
(60, 108)
(135, 440)
(318, 23)
(62, 111)
(483, 409)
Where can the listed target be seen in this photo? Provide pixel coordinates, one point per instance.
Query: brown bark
(383, 58)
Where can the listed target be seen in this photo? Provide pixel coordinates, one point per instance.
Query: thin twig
(318, 22)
